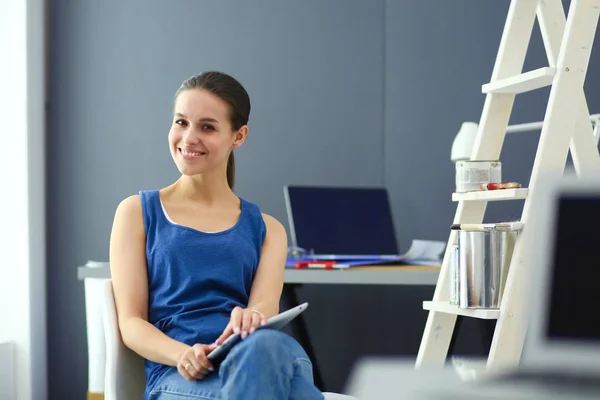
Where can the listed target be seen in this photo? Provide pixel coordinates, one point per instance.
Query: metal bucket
(483, 262)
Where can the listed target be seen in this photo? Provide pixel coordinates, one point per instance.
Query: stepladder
(568, 37)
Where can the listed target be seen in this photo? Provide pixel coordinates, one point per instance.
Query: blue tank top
(195, 279)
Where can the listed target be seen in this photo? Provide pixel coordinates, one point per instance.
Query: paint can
(483, 265)
(470, 175)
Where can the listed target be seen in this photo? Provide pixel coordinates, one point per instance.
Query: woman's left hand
(244, 321)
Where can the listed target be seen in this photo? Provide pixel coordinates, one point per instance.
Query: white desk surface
(373, 275)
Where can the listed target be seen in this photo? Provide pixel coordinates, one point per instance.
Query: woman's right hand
(193, 363)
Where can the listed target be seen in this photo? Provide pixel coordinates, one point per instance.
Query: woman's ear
(240, 136)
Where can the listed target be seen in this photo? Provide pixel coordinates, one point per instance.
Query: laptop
(341, 221)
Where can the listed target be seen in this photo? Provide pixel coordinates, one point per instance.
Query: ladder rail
(537, 126)
(509, 62)
(584, 145)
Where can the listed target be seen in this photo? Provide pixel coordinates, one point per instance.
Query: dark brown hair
(233, 93)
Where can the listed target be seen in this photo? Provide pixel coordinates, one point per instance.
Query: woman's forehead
(198, 103)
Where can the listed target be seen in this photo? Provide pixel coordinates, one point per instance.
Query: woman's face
(201, 137)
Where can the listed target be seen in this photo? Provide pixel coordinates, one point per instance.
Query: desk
(375, 275)
(371, 275)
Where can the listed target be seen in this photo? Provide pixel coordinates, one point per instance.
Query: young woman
(192, 263)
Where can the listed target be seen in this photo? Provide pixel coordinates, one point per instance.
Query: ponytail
(231, 170)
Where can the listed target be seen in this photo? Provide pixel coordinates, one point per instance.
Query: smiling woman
(192, 264)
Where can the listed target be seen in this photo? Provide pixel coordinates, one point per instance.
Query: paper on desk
(424, 251)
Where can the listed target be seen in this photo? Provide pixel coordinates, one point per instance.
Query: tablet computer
(276, 322)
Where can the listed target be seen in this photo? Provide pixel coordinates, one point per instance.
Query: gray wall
(322, 114)
(437, 56)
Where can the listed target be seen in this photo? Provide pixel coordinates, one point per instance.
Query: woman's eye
(180, 122)
(208, 127)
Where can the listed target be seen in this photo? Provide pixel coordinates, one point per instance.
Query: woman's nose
(191, 137)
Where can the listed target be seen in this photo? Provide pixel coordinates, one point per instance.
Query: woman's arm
(268, 281)
(266, 286)
(130, 286)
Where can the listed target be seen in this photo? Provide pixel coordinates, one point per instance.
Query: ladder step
(447, 308)
(492, 195)
(525, 82)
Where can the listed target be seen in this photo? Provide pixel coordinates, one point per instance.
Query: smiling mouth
(191, 154)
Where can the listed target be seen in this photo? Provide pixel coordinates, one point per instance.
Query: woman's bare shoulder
(273, 225)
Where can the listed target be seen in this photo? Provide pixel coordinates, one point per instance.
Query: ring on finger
(187, 366)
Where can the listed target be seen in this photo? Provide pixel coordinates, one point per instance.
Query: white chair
(124, 377)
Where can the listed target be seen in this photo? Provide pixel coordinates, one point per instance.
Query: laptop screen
(341, 220)
(575, 292)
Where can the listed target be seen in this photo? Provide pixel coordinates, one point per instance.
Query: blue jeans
(268, 364)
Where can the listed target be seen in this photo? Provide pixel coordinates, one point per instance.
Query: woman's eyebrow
(205, 119)
(208, 119)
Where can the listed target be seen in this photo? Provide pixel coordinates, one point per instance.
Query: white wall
(22, 200)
